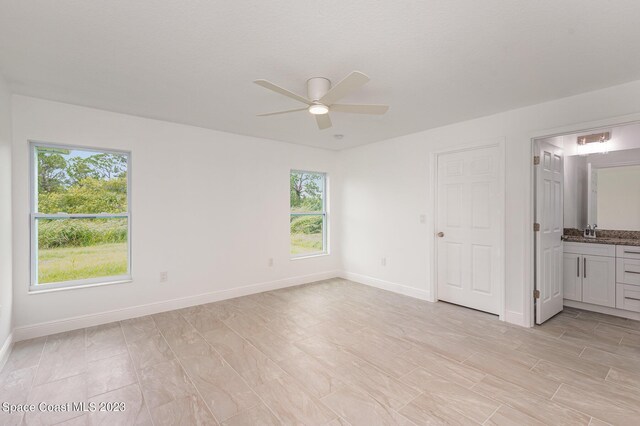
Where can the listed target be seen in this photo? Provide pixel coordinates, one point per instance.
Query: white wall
(619, 198)
(200, 187)
(5, 215)
(386, 187)
(626, 157)
(208, 207)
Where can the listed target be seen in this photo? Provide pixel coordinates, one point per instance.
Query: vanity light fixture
(602, 138)
(595, 137)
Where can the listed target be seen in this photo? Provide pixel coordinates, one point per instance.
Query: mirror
(603, 189)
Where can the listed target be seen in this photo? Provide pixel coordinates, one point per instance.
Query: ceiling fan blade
(350, 83)
(323, 120)
(268, 85)
(280, 112)
(360, 109)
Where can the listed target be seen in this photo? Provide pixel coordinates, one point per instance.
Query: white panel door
(549, 176)
(469, 221)
(572, 277)
(599, 280)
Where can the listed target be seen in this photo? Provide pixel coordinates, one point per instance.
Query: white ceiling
(434, 62)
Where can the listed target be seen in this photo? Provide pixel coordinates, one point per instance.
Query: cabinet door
(599, 280)
(572, 276)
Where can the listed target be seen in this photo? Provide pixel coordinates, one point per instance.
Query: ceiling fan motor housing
(317, 87)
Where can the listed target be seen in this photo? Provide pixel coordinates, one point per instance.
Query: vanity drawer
(608, 250)
(628, 271)
(628, 252)
(628, 297)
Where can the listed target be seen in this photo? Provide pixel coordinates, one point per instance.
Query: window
(308, 217)
(80, 219)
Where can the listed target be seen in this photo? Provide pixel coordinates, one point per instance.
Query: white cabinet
(628, 271)
(602, 274)
(599, 280)
(628, 278)
(593, 249)
(589, 273)
(572, 278)
(628, 252)
(628, 297)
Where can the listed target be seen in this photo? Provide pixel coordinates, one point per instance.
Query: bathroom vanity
(587, 222)
(601, 272)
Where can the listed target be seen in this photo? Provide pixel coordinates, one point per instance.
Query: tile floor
(333, 352)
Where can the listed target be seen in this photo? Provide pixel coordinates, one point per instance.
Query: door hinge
(536, 294)
(536, 227)
(536, 160)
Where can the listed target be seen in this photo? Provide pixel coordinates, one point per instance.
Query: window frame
(34, 215)
(324, 213)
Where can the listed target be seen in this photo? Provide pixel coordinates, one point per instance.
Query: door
(572, 276)
(469, 225)
(549, 175)
(599, 280)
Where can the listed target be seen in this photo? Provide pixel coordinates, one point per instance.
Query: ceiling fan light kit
(321, 98)
(317, 109)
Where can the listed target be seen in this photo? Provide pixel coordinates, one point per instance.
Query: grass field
(104, 260)
(77, 263)
(306, 243)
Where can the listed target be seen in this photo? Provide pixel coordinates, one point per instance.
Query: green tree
(78, 169)
(97, 166)
(108, 166)
(305, 191)
(52, 175)
(90, 195)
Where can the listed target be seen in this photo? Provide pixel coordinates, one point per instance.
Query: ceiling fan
(321, 98)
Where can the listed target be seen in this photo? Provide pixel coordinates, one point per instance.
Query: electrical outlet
(423, 218)
(270, 261)
(383, 261)
(164, 277)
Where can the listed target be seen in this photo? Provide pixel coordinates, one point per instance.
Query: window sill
(309, 256)
(36, 290)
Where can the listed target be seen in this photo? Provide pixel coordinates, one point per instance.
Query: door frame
(432, 198)
(588, 126)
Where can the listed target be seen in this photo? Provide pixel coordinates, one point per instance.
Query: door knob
(440, 234)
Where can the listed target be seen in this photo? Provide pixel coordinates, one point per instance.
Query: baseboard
(5, 351)
(387, 285)
(603, 309)
(515, 318)
(74, 323)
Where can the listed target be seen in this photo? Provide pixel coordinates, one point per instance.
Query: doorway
(580, 183)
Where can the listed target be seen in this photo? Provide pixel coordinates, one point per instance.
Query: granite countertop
(604, 236)
(601, 240)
